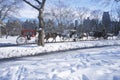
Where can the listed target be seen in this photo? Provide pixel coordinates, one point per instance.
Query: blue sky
(29, 12)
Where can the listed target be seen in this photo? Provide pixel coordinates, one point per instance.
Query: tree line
(61, 14)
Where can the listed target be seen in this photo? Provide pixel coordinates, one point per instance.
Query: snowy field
(84, 64)
(91, 61)
(33, 49)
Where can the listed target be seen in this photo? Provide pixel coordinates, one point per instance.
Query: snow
(83, 60)
(33, 49)
(84, 64)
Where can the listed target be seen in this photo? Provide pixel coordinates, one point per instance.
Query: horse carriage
(67, 35)
(25, 36)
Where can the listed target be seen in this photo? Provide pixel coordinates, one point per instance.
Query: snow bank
(33, 49)
(86, 64)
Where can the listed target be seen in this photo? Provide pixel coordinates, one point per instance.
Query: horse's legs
(47, 40)
(53, 40)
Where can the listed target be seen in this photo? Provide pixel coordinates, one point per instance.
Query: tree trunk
(0, 32)
(41, 29)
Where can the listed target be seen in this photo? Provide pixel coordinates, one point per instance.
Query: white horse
(69, 35)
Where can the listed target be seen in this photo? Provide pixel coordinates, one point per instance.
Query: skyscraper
(106, 21)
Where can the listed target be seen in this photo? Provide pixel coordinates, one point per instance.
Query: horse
(98, 34)
(110, 35)
(51, 35)
(67, 35)
(83, 36)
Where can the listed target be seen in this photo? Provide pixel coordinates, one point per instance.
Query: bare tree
(82, 12)
(117, 0)
(96, 15)
(13, 27)
(7, 8)
(105, 2)
(40, 8)
(49, 26)
(118, 12)
(63, 15)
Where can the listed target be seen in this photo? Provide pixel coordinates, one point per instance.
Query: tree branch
(38, 2)
(31, 4)
(43, 3)
(1, 1)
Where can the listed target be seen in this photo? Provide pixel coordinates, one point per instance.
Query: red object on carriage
(32, 33)
(25, 35)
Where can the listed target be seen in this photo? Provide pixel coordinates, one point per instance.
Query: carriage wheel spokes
(21, 40)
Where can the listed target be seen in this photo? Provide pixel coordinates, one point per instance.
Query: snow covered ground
(33, 49)
(84, 64)
(98, 63)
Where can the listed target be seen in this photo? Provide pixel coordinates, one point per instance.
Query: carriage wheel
(21, 40)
